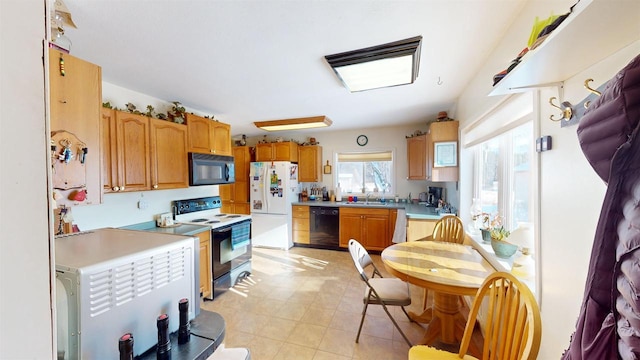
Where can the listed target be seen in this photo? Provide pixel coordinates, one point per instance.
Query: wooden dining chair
(512, 325)
(379, 290)
(448, 229)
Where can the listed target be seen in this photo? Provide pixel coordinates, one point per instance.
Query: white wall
(571, 198)
(25, 267)
(570, 193)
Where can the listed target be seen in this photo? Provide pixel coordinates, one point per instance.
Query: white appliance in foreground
(110, 282)
(273, 187)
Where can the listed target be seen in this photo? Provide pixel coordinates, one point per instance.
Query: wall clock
(362, 140)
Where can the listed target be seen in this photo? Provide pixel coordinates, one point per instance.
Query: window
(504, 177)
(361, 173)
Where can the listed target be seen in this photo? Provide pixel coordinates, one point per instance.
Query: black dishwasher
(324, 230)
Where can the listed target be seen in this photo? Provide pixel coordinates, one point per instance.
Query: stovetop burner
(199, 220)
(234, 216)
(212, 222)
(219, 215)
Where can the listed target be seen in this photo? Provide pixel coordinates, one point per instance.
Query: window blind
(363, 157)
(513, 112)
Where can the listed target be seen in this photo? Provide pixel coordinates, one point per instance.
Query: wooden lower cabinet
(300, 215)
(205, 263)
(419, 229)
(370, 227)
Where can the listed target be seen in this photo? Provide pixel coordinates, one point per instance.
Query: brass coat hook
(591, 90)
(567, 111)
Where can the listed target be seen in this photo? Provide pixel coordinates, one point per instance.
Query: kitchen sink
(365, 204)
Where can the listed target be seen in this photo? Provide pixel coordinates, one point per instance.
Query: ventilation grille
(121, 284)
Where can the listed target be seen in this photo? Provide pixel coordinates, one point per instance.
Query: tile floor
(306, 304)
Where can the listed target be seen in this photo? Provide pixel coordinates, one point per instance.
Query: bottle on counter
(184, 331)
(164, 342)
(125, 346)
(338, 193)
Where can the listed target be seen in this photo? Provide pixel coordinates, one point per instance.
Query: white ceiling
(246, 61)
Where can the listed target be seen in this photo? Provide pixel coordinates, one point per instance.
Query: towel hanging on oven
(240, 235)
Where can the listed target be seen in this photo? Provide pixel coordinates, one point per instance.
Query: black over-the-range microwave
(206, 169)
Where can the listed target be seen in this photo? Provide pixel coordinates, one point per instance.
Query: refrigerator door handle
(267, 188)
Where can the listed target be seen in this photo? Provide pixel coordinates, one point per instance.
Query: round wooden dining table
(449, 270)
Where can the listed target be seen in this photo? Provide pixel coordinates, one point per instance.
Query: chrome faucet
(367, 196)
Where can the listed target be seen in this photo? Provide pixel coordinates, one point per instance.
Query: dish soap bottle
(338, 193)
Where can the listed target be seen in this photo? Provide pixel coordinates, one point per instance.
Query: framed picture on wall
(445, 154)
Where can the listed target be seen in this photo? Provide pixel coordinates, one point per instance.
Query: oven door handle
(222, 230)
(227, 172)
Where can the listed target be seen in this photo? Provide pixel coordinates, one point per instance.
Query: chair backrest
(449, 229)
(361, 258)
(512, 324)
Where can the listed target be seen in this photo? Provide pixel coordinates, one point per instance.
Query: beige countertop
(413, 210)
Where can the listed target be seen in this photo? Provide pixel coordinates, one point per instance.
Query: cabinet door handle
(121, 188)
(155, 186)
(115, 188)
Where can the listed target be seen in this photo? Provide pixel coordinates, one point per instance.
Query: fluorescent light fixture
(385, 65)
(294, 124)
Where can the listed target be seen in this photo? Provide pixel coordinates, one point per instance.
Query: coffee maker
(433, 195)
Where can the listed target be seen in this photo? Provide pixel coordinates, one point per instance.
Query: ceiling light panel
(294, 124)
(377, 74)
(385, 65)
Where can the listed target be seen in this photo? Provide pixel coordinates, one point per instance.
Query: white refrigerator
(273, 186)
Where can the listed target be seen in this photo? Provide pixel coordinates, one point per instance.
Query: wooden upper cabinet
(75, 103)
(109, 151)
(418, 157)
(132, 147)
(286, 151)
(282, 151)
(208, 136)
(221, 138)
(142, 153)
(169, 166)
(241, 160)
(444, 131)
(310, 163)
(264, 152)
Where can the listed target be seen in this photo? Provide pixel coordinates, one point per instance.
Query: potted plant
(177, 113)
(487, 224)
(499, 235)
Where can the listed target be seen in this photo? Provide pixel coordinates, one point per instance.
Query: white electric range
(230, 250)
(205, 211)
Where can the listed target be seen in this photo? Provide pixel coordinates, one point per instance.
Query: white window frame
(505, 174)
(507, 114)
(393, 179)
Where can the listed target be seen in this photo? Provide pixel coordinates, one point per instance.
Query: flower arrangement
(494, 227)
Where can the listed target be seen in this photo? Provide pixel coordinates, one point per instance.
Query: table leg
(446, 320)
(425, 317)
